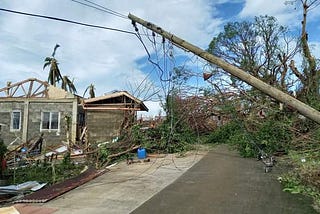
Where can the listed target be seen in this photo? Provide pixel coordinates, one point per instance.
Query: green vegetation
(249, 118)
(247, 135)
(304, 176)
(293, 136)
(164, 139)
(260, 119)
(45, 172)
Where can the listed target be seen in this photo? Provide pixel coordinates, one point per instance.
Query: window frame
(50, 129)
(12, 129)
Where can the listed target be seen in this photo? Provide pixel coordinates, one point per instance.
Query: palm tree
(91, 89)
(54, 71)
(68, 85)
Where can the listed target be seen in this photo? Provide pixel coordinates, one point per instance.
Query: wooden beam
(108, 108)
(30, 88)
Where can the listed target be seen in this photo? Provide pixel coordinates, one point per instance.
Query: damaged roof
(118, 100)
(33, 88)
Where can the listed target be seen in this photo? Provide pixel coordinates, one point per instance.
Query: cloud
(111, 60)
(285, 13)
(108, 59)
(154, 109)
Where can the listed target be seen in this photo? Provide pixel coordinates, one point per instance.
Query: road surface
(221, 183)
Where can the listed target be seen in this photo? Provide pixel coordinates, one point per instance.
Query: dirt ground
(222, 182)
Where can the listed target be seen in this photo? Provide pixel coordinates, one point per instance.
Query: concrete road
(218, 182)
(224, 183)
(124, 187)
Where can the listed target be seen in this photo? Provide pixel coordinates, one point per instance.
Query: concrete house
(33, 107)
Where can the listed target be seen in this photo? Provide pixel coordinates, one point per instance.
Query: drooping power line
(66, 20)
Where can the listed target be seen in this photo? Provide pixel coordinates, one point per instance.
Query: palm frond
(54, 50)
(91, 91)
(48, 59)
(68, 85)
(47, 62)
(64, 83)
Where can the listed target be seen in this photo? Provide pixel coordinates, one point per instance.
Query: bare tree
(309, 75)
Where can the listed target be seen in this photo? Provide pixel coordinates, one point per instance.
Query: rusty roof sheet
(58, 189)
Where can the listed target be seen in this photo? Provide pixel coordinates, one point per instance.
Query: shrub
(273, 135)
(224, 133)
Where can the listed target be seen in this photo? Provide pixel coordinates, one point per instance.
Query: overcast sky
(113, 60)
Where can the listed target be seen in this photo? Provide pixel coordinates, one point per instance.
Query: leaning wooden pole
(304, 109)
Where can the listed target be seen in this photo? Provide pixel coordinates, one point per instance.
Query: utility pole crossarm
(273, 92)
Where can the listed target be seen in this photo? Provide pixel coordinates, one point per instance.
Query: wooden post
(303, 108)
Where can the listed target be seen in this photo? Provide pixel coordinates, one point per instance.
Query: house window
(50, 120)
(15, 120)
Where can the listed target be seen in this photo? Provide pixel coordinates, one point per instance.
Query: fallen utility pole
(273, 92)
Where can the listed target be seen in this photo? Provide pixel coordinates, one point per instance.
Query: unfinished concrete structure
(33, 107)
(108, 115)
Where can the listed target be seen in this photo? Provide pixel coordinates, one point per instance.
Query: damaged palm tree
(54, 71)
(55, 74)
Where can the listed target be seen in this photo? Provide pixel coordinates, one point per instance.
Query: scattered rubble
(34, 153)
